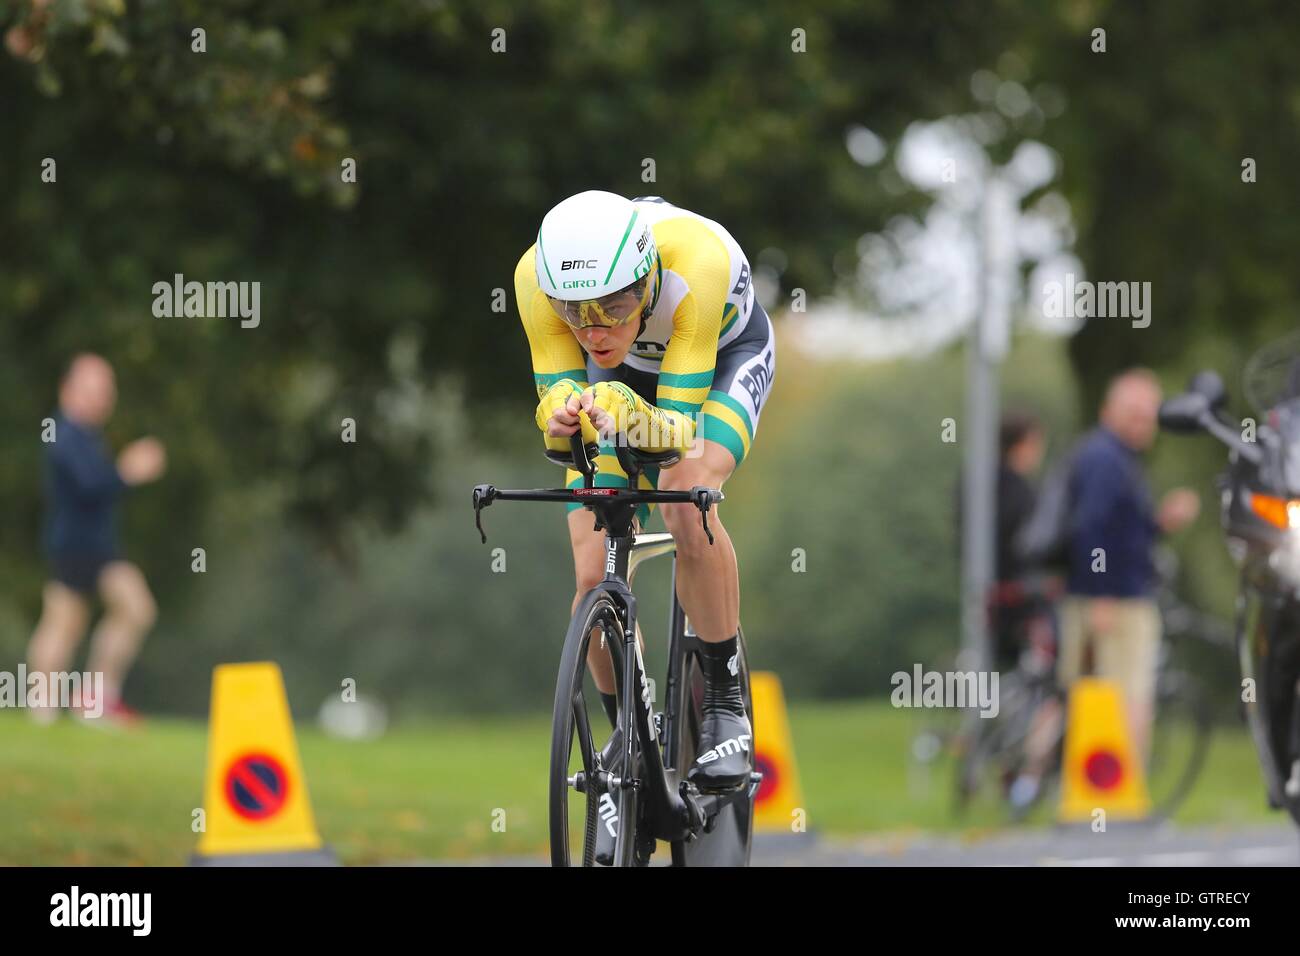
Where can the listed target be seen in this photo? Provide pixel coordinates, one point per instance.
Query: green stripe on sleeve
(691, 380)
(722, 398)
(545, 380)
(715, 429)
(674, 405)
(727, 323)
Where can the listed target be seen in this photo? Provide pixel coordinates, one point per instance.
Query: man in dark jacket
(82, 487)
(1110, 610)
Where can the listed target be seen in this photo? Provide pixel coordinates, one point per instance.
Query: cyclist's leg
(589, 569)
(708, 581)
(708, 585)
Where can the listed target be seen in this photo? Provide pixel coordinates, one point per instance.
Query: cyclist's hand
(611, 406)
(615, 409)
(558, 415)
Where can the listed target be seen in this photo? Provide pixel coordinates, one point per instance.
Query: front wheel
(580, 801)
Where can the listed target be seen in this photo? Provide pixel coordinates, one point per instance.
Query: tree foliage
(466, 121)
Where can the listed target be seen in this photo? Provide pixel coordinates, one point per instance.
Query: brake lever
(483, 495)
(703, 501)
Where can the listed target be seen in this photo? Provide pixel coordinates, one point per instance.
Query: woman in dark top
(1021, 445)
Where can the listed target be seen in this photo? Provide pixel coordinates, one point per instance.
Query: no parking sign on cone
(255, 800)
(779, 794)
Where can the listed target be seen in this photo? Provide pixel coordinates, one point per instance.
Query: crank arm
(704, 808)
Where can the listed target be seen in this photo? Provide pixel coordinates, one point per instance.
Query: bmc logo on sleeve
(756, 378)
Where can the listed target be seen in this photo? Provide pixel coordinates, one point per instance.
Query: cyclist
(678, 355)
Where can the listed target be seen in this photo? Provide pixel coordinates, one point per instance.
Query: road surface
(1122, 845)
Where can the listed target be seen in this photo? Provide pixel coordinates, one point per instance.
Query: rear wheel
(580, 801)
(729, 841)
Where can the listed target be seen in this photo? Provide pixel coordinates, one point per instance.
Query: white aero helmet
(597, 261)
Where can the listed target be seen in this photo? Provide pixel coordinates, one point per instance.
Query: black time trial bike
(632, 781)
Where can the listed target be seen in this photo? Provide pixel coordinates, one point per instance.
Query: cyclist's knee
(683, 523)
(588, 567)
(586, 581)
(710, 470)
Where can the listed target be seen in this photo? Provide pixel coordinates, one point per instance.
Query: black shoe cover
(726, 752)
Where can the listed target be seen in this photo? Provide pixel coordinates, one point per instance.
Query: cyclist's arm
(687, 371)
(686, 374)
(684, 378)
(559, 369)
(555, 353)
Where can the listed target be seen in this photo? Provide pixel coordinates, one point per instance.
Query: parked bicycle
(634, 782)
(1015, 758)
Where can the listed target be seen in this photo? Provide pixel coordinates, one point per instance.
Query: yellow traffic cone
(1101, 768)
(778, 805)
(256, 808)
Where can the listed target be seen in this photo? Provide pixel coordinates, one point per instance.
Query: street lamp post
(987, 345)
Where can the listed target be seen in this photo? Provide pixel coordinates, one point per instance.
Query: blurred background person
(1110, 614)
(1021, 601)
(82, 488)
(1021, 442)
(1016, 592)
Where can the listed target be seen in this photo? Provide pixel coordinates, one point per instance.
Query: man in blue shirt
(1110, 610)
(82, 488)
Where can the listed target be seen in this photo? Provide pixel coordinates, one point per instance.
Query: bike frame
(672, 811)
(663, 810)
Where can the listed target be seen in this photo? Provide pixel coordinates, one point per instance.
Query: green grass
(857, 777)
(75, 795)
